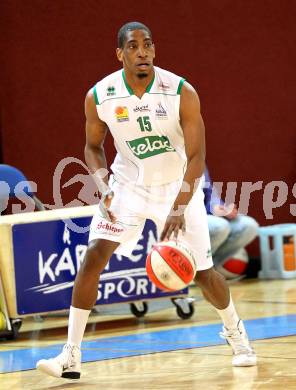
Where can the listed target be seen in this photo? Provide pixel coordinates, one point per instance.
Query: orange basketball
(170, 266)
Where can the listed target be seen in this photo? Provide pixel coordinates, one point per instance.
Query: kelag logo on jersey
(150, 146)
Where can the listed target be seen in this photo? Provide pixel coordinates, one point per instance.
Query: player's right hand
(105, 204)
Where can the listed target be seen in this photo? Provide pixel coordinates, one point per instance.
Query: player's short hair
(131, 26)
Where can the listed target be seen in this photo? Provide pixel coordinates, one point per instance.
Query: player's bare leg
(214, 287)
(84, 296)
(85, 289)
(216, 291)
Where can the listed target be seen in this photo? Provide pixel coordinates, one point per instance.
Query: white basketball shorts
(131, 209)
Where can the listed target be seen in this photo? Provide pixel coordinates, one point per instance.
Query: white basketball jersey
(147, 132)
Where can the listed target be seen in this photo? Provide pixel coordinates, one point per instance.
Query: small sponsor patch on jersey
(160, 112)
(143, 108)
(121, 113)
(111, 91)
(150, 146)
(163, 86)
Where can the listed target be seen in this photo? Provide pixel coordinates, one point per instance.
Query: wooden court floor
(206, 367)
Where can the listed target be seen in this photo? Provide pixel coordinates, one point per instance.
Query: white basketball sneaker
(243, 354)
(66, 365)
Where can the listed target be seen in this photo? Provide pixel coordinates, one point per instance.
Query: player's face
(137, 53)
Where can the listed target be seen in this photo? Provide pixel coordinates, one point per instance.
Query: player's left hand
(173, 224)
(105, 204)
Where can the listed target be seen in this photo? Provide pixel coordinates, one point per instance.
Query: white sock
(229, 316)
(76, 327)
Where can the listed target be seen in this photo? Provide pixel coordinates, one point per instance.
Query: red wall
(240, 55)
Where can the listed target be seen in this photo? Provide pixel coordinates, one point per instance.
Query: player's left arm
(194, 138)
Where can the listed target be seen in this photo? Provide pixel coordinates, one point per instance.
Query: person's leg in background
(219, 230)
(243, 230)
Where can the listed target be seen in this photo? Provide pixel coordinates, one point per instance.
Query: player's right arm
(96, 130)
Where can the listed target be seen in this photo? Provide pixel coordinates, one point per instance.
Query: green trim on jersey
(150, 84)
(182, 81)
(96, 96)
(130, 91)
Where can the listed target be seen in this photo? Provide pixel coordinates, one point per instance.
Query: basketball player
(154, 118)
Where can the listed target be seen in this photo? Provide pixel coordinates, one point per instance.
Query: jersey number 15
(144, 122)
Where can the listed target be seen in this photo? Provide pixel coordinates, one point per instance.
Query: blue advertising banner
(48, 255)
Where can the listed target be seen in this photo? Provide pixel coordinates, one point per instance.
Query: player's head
(131, 26)
(135, 48)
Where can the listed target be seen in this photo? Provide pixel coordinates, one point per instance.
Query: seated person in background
(229, 233)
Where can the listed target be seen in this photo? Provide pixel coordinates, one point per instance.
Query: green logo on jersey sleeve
(150, 146)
